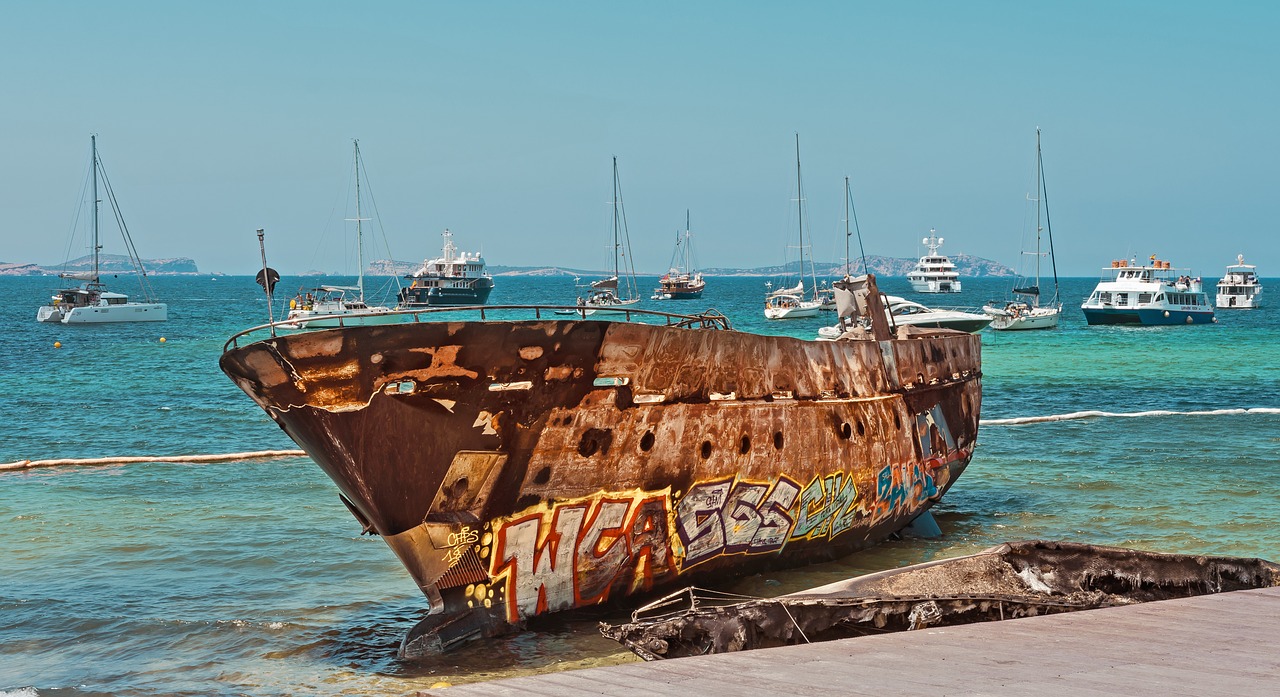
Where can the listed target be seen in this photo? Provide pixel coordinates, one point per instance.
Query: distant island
(116, 264)
(968, 266)
(108, 264)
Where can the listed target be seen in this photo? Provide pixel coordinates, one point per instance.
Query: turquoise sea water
(251, 577)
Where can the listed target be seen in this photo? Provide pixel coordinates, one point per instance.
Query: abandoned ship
(523, 467)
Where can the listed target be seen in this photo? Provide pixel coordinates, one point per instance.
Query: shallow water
(252, 578)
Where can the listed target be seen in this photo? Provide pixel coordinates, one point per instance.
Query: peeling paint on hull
(521, 468)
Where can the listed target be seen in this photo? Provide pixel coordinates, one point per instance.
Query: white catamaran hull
(103, 314)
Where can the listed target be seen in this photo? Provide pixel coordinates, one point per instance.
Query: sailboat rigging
(617, 292)
(91, 302)
(1026, 310)
(682, 281)
(335, 306)
(790, 302)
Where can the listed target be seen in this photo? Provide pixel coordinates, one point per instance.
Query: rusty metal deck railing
(709, 319)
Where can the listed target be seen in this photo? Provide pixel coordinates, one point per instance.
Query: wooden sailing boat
(617, 292)
(682, 281)
(91, 302)
(1026, 310)
(789, 302)
(334, 306)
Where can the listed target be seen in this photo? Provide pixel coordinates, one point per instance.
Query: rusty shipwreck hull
(524, 467)
(1009, 581)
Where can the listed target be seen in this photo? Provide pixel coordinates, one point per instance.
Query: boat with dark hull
(1008, 581)
(523, 467)
(452, 279)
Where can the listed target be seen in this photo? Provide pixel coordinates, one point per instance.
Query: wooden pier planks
(1224, 644)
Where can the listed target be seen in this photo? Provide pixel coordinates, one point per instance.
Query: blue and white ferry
(1148, 295)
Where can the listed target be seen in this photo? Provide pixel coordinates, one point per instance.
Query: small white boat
(903, 312)
(789, 303)
(1147, 295)
(91, 302)
(1240, 289)
(1025, 310)
(340, 306)
(934, 273)
(335, 306)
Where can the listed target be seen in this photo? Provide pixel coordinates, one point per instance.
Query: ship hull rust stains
(525, 467)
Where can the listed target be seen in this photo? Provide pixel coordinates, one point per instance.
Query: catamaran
(1132, 294)
(91, 302)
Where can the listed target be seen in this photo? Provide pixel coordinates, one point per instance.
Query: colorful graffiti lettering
(728, 517)
(576, 553)
(828, 507)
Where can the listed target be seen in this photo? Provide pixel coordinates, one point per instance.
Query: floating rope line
(223, 457)
(1018, 421)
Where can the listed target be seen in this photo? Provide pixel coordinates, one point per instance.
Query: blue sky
(498, 121)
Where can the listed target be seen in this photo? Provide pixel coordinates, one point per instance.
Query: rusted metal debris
(524, 467)
(1012, 580)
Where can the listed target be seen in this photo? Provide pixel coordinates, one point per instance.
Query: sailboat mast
(616, 244)
(847, 261)
(359, 221)
(93, 140)
(800, 208)
(688, 265)
(1039, 186)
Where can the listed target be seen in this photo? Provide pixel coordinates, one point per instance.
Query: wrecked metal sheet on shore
(1018, 579)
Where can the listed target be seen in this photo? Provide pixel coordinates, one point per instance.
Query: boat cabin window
(1144, 298)
(117, 301)
(1160, 297)
(1104, 297)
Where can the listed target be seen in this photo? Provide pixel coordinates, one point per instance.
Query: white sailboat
(618, 292)
(340, 306)
(91, 302)
(790, 302)
(1026, 310)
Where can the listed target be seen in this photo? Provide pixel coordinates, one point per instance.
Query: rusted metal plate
(1019, 579)
(581, 462)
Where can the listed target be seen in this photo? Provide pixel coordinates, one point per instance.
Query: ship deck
(1221, 644)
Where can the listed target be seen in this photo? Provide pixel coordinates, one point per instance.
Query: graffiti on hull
(582, 552)
(577, 553)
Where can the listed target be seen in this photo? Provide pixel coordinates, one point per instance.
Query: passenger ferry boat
(1240, 289)
(1133, 294)
(455, 278)
(934, 273)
